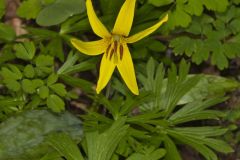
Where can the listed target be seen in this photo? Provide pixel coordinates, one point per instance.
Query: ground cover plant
(119, 80)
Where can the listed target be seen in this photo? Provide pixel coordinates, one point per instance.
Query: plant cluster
(49, 107)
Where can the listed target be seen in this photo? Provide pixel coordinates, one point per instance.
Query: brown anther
(121, 51)
(115, 46)
(111, 54)
(107, 51)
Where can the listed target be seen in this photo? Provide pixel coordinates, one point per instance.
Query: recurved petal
(106, 70)
(97, 26)
(124, 20)
(146, 32)
(127, 72)
(90, 48)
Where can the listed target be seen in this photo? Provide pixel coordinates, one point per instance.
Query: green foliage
(40, 70)
(29, 9)
(161, 120)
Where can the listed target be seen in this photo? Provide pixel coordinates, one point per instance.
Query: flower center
(115, 49)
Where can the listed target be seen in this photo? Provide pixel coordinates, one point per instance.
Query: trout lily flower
(113, 45)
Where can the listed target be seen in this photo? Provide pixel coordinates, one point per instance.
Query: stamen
(111, 54)
(115, 46)
(107, 51)
(121, 51)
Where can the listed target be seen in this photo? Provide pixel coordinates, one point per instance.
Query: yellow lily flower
(114, 45)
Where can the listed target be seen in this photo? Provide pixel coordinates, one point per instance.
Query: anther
(115, 46)
(111, 54)
(121, 51)
(107, 51)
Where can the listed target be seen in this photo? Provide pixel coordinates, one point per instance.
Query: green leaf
(55, 103)
(160, 3)
(12, 72)
(194, 7)
(78, 82)
(172, 152)
(29, 9)
(195, 143)
(102, 146)
(29, 71)
(153, 155)
(65, 146)
(7, 33)
(25, 51)
(52, 79)
(43, 92)
(44, 61)
(22, 137)
(37, 83)
(28, 86)
(216, 5)
(180, 18)
(13, 85)
(59, 11)
(59, 89)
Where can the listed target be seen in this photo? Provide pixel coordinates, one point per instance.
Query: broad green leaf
(22, 137)
(44, 61)
(12, 72)
(37, 83)
(216, 5)
(59, 89)
(59, 11)
(29, 9)
(25, 51)
(13, 85)
(28, 86)
(29, 71)
(194, 7)
(43, 92)
(52, 79)
(55, 103)
(65, 146)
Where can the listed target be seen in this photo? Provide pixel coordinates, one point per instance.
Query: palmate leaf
(201, 144)
(164, 113)
(65, 146)
(167, 92)
(102, 146)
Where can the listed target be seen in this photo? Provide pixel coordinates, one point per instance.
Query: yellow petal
(106, 70)
(90, 48)
(97, 26)
(124, 20)
(146, 32)
(127, 72)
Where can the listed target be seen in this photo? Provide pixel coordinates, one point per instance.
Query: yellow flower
(114, 45)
